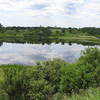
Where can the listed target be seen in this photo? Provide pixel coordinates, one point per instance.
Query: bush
(16, 80)
(83, 74)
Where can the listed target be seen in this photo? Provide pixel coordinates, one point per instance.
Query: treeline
(46, 79)
(88, 30)
(91, 30)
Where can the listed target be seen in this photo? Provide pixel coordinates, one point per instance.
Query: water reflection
(1, 43)
(28, 54)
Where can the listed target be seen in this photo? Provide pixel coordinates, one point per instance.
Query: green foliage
(90, 94)
(40, 90)
(15, 82)
(46, 79)
(91, 56)
(91, 30)
(49, 78)
(83, 74)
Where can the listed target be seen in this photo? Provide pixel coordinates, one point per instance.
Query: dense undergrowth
(89, 94)
(53, 80)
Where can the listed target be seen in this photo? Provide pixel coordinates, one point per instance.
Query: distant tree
(70, 30)
(91, 30)
(1, 25)
(63, 30)
(1, 28)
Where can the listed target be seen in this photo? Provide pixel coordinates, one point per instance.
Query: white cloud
(75, 13)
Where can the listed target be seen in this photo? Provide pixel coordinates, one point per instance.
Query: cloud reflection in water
(28, 54)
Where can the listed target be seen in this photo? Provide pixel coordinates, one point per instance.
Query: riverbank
(49, 35)
(85, 40)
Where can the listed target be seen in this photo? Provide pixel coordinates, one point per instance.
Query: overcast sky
(65, 13)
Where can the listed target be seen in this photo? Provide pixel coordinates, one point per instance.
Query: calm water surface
(28, 54)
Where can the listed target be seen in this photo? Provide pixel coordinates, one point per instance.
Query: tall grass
(90, 94)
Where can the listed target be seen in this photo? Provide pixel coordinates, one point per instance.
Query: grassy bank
(53, 79)
(85, 40)
(89, 94)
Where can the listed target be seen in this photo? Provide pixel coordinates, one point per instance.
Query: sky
(61, 13)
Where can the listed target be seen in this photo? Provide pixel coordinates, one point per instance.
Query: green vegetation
(90, 94)
(40, 34)
(53, 80)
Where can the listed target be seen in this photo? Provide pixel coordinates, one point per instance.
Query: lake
(28, 54)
